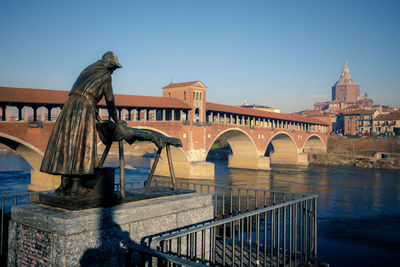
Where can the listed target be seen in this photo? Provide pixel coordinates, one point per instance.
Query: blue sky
(285, 54)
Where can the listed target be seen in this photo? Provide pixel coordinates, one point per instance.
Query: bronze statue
(71, 150)
(109, 132)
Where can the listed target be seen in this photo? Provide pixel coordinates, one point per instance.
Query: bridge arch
(244, 151)
(314, 143)
(282, 149)
(239, 141)
(30, 153)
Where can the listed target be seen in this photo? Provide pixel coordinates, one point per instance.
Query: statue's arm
(133, 134)
(109, 97)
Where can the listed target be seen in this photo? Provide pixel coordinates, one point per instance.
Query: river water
(358, 209)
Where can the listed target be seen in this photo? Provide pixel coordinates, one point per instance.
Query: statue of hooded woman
(71, 150)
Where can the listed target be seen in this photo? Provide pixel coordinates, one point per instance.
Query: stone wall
(360, 152)
(367, 146)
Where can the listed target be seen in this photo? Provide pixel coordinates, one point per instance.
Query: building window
(184, 95)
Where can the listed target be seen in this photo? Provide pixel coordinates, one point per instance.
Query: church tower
(191, 93)
(345, 89)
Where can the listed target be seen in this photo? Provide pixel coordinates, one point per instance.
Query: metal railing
(140, 256)
(229, 201)
(7, 201)
(250, 225)
(285, 233)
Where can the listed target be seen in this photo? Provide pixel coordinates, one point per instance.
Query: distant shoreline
(359, 161)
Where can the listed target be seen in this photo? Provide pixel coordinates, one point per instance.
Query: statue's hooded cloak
(71, 149)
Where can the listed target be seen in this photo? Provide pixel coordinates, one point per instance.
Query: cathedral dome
(345, 78)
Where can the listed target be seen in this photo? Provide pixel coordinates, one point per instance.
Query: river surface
(358, 209)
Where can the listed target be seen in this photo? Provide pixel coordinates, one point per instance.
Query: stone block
(49, 236)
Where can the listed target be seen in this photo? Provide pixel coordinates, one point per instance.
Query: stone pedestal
(47, 236)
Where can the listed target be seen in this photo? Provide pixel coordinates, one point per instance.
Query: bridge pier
(289, 158)
(186, 169)
(248, 162)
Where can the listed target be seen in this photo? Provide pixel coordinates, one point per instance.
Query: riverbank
(361, 152)
(360, 161)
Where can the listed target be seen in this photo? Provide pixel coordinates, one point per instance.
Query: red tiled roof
(320, 103)
(28, 95)
(317, 113)
(311, 112)
(147, 101)
(260, 113)
(358, 112)
(174, 85)
(39, 96)
(391, 116)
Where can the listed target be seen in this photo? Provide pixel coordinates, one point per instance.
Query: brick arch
(285, 148)
(30, 153)
(239, 140)
(314, 143)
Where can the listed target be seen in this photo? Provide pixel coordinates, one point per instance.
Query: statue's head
(111, 58)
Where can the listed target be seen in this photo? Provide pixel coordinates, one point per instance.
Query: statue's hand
(158, 140)
(121, 122)
(161, 140)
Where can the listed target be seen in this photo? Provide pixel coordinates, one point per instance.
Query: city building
(346, 109)
(345, 93)
(322, 115)
(387, 124)
(357, 122)
(345, 89)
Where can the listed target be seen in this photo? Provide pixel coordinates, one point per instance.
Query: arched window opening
(197, 115)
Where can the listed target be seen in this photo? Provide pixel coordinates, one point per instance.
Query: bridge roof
(261, 113)
(14, 95)
(32, 96)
